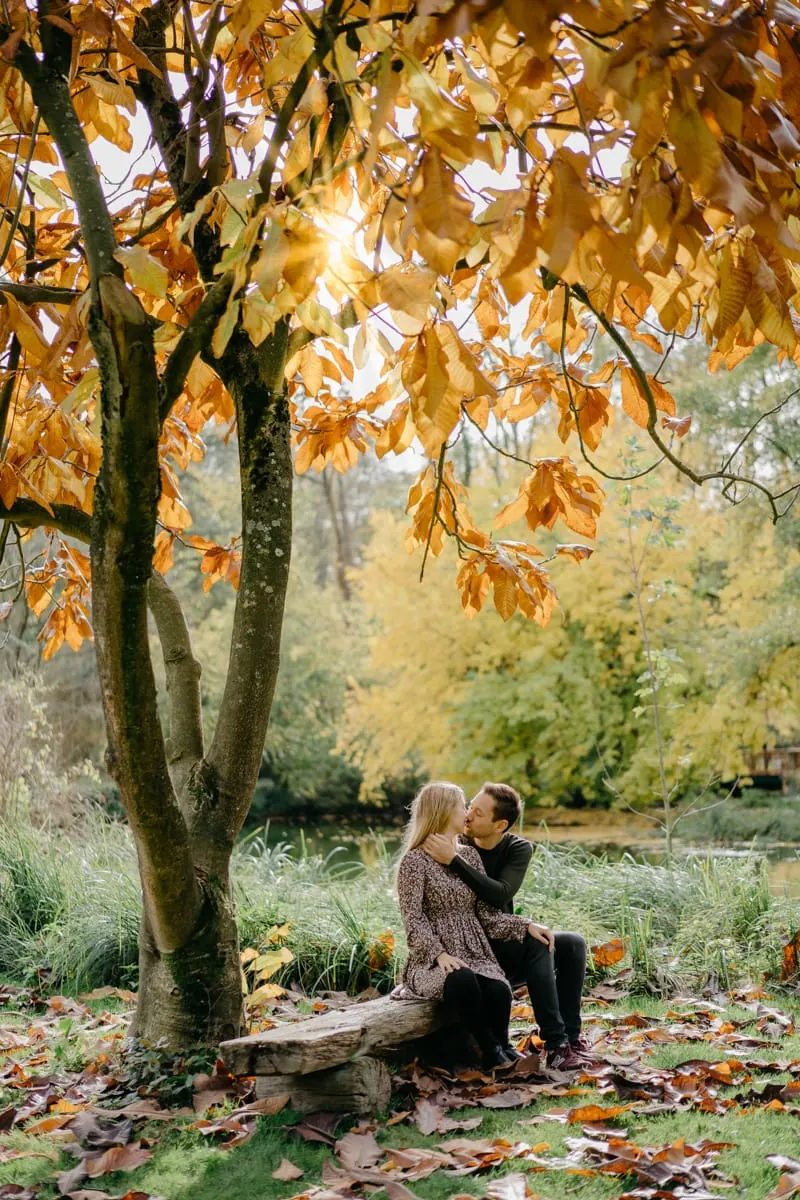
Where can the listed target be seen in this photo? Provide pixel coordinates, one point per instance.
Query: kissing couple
(456, 881)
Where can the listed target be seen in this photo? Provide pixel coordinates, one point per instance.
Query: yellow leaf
(634, 401)
(247, 15)
(267, 991)
(442, 216)
(575, 550)
(697, 151)
(145, 271)
(505, 595)
(110, 92)
(30, 335)
(271, 961)
(224, 330)
(259, 317)
(609, 953)
(408, 291)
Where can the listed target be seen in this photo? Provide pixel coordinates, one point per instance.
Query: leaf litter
(94, 1113)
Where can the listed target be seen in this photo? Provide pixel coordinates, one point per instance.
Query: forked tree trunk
(190, 992)
(185, 804)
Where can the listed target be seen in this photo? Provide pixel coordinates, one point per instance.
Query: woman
(449, 957)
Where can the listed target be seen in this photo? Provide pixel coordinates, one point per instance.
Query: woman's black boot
(494, 1056)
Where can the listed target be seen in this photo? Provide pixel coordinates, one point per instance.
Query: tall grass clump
(337, 912)
(69, 903)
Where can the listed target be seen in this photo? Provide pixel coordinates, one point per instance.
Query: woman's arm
(410, 893)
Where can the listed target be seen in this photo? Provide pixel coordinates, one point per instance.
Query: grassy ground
(185, 1165)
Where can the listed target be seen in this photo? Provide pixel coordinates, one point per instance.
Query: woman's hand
(449, 962)
(542, 934)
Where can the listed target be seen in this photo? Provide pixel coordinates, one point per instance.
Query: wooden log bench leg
(332, 1061)
(361, 1086)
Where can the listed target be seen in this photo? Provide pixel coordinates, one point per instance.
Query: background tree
(417, 173)
(565, 713)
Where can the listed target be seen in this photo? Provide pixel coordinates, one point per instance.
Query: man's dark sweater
(505, 867)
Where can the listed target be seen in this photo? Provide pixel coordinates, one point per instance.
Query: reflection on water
(607, 838)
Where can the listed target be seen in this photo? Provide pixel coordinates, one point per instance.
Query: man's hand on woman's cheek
(441, 847)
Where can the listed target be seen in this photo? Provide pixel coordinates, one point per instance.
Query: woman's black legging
(481, 1005)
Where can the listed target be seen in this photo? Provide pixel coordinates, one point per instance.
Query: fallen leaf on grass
(18, 1192)
(596, 1112)
(203, 1101)
(103, 993)
(507, 1098)
(240, 1129)
(86, 1128)
(149, 1110)
(286, 1170)
(93, 1194)
(510, 1187)
(317, 1127)
(789, 1182)
(609, 953)
(431, 1118)
(399, 1191)
(48, 1124)
(358, 1150)
(267, 1107)
(118, 1158)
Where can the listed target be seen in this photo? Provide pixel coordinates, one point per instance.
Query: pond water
(612, 835)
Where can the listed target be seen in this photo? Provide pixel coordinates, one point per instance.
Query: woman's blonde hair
(430, 812)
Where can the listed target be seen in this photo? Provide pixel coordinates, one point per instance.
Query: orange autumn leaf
(596, 1113)
(609, 953)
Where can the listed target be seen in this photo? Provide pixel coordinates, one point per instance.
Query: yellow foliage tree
(411, 172)
(565, 713)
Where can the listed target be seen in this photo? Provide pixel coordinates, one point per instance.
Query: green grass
(69, 905)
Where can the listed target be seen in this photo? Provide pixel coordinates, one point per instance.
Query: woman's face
(458, 814)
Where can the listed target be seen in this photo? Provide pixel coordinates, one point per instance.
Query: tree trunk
(185, 804)
(193, 994)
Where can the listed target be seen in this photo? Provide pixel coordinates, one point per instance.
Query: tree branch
(195, 337)
(185, 742)
(697, 477)
(156, 95)
(72, 522)
(169, 129)
(51, 93)
(255, 379)
(38, 293)
(7, 391)
(326, 34)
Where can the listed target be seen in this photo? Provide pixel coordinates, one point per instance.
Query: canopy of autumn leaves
(547, 170)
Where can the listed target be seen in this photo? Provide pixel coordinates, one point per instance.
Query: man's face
(480, 821)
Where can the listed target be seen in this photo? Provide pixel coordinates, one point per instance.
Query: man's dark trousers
(554, 980)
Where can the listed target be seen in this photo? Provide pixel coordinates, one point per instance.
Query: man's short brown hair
(506, 801)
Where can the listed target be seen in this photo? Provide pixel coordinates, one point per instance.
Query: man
(553, 965)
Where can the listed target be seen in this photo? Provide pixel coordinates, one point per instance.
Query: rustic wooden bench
(334, 1060)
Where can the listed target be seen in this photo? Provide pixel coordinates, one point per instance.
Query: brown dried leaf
(286, 1170)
